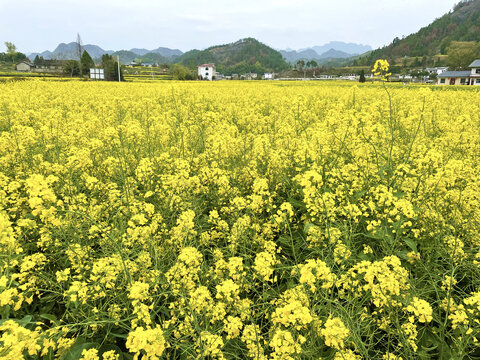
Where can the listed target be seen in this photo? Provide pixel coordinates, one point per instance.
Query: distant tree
(300, 65)
(12, 54)
(11, 48)
(36, 61)
(71, 68)
(362, 76)
(445, 45)
(424, 60)
(181, 72)
(312, 64)
(86, 63)
(462, 54)
(110, 67)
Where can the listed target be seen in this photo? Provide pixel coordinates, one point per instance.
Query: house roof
(25, 62)
(475, 64)
(206, 65)
(450, 74)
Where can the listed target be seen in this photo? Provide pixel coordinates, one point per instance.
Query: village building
(206, 72)
(453, 78)
(42, 66)
(436, 70)
(251, 76)
(268, 76)
(475, 72)
(25, 66)
(466, 77)
(325, 77)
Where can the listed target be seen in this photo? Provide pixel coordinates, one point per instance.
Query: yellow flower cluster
(150, 343)
(381, 69)
(421, 309)
(312, 271)
(335, 333)
(16, 341)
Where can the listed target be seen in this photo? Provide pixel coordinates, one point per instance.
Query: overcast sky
(34, 25)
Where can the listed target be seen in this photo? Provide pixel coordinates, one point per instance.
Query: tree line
(12, 55)
(82, 67)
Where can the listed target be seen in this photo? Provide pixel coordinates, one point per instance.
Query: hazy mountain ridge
(348, 48)
(323, 53)
(69, 51)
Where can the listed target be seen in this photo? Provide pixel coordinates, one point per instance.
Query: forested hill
(246, 55)
(460, 24)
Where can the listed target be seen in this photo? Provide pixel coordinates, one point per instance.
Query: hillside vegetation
(246, 55)
(461, 24)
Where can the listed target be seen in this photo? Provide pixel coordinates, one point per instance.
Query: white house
(25, 66)
(436, 70)
(206, 71)
(268, 76)
(250, 76)
(467, 77)
(475, 72)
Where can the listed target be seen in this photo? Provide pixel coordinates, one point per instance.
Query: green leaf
(412, 244)
(50, 317)
(359, 194)
(75, 352)
(25, 320)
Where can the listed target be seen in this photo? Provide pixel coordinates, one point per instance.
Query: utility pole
(79, 53)
(118, 62)
(79, 47)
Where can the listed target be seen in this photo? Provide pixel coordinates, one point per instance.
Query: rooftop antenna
(79, 47)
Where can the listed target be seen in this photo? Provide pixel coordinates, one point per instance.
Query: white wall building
(268, 76)
(25, 66)
(206, 71)
(475, 72)
(436, 70)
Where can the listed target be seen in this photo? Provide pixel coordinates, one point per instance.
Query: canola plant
(239, 220)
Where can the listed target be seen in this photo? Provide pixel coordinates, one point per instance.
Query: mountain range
(69, 51)
(327, 52)
(323, 53)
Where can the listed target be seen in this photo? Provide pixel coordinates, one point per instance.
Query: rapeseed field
(239, 220)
